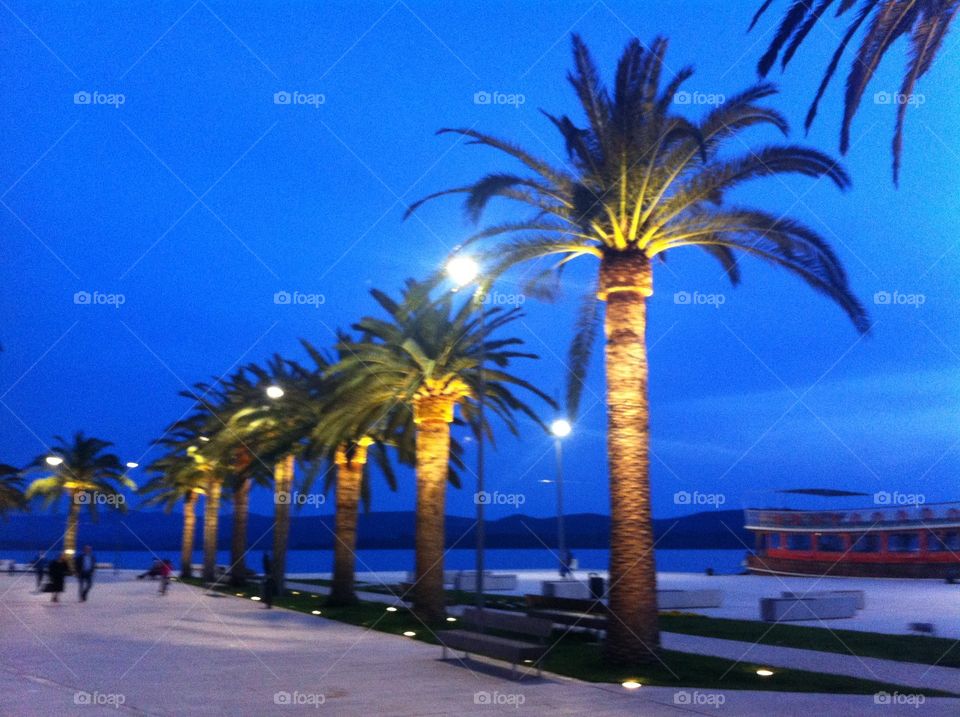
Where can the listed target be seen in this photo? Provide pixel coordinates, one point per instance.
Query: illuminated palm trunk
(349, 481)
(189, 532)
(238, 541)
(632, 636)
(433, 415)
(282, 495)
(211, 516)
(73, 518)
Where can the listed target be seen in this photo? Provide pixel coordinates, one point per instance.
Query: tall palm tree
(11, 489)
(428, 358)
(177, 478)
(924, 22)
(87, 475)
(641, 180)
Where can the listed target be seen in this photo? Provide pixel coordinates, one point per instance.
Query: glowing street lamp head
(463, 270)
(561, 428)
(132, 464)
(204, 439)
(54, 460)
(274, 392)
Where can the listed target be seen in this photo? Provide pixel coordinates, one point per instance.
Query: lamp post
(464, 270)
(560, 429)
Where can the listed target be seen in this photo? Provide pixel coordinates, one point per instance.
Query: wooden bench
(497, 635)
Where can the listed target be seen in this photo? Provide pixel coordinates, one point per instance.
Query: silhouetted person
(39, 563)
(269, 584)
(566, 564)
(166, 569)
(85, 564)
(58, 569)
(156, 570)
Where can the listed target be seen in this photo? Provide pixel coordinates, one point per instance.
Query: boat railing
(914, 514)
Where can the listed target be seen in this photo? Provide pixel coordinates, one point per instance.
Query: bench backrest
(518, 623)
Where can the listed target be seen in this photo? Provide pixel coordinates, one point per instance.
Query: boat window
(830, 543)
(867, 543)
(798, 541)
(948, 541)
(903, 543)
(773, 540)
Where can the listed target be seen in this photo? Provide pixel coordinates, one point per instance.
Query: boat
(899, 536)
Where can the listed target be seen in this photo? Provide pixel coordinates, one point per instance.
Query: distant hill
(143, 530)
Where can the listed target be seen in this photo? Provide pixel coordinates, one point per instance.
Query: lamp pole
(560, 429)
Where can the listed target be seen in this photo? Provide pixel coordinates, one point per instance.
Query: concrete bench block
(858, 595)
(572, 589)
(467, 580)
(681, 599)
(819, 608)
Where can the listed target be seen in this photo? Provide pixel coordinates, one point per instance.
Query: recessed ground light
(255, 598)
(409, 633)
(314, 595)
(451, 619)
(765, 673)
(528, 662)
(315, 612)
(295, 592)
(240, 595)
(631, 684)
(391, 609)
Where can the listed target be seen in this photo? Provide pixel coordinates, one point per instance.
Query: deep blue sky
(199, 198)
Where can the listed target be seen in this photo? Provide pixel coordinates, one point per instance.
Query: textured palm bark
(189, 534)
(211, 517)
(73, 518)
(433, 416)
(238, 540)
(349, 480)
(633, 635)
(282, 495)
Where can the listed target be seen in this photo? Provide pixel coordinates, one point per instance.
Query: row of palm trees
(639, 179)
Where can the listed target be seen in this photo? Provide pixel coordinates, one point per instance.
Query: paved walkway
(129, 651)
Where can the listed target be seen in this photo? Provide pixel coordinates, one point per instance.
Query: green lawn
(578, 655)
(905, 648)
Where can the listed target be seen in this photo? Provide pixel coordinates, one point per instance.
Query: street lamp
(464, 270)
(54, 460)
(560, 429)
(274, 392)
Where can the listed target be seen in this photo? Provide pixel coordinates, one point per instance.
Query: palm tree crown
(11, 489)
(926, 22)
(86, 468)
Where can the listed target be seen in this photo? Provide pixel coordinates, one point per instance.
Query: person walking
(39, 562)
(85, 565)
(269, 584)
(166, 568)
(57, 570)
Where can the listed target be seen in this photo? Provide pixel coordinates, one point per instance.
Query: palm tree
(177, 478)
(11, 489)
(642, 180)
(426, 359)
(85, 475)
(925, 22)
